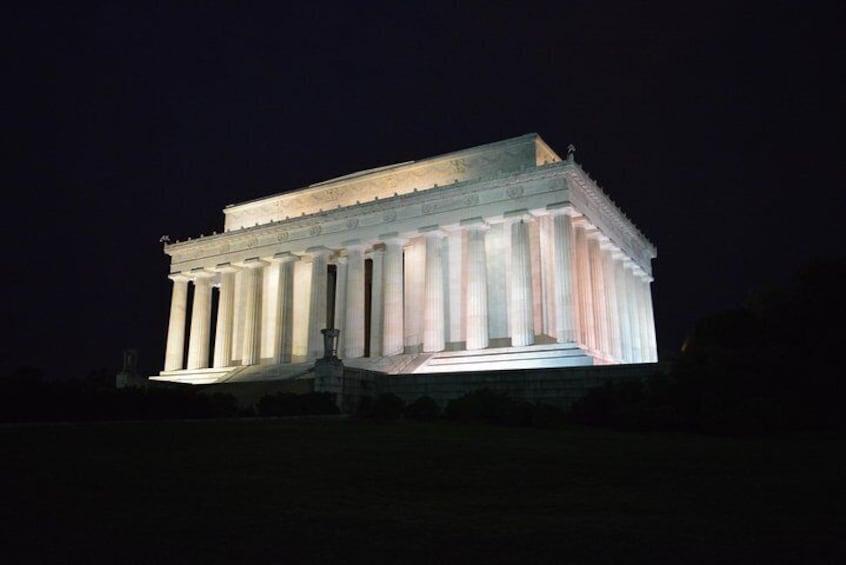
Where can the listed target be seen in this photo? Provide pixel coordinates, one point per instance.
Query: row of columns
(598, 298)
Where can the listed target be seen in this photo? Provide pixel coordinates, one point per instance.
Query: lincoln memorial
(502, 256)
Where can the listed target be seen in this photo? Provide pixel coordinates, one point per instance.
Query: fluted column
(564, 275)
(634, 312)
(623, 310)
(611, 309)
(433, 313)
(175, 351)
(340, 308)
(455, 283)
(199, 340)
(376, 302)
(252, 310)
(600, 321)
(354, 317)
(642, 288)
(652, 349)
(282, 326)
(477, 287)
(522, 306)
(225, 310)
(584, 290)
(392, 336)
(317, 301)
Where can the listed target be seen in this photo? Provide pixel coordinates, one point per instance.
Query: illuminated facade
(500, 256)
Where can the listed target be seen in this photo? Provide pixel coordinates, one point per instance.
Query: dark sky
(714, 126)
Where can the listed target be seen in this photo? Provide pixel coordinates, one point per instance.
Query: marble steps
(270, 372)
(504, 358)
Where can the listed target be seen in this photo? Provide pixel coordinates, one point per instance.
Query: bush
(546, 416)
(488, 406)
(424, 409)
(387, 406)
(290, 404)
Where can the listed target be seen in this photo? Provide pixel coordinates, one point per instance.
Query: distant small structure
(128, 376)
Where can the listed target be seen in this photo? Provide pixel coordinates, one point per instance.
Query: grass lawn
(248, 491)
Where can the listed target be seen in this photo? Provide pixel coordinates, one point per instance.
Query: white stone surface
(175, 350)
(198, 339)
(477, 287)
(521, 314)
(223, 324)
(532, 275)
(354, 317)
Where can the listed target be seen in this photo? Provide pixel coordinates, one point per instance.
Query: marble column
(340, 304)
(584, 289)
(392, 333)
(238, 319)
(175, 351)
(522, 305)
(225, 310)
(634, 312)
(200, 337)
(252, 310)
(623, 310)
(455, 296)
(414, 280)
(477, 286)
(376, 302)
(652, 350)
(611, 308)
(354, 317)
(433, 309)
(564, 275)
(597, 280)
(282, 326)
(642, 288)
(317, 301)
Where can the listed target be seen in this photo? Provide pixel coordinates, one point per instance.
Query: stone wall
(557, 387)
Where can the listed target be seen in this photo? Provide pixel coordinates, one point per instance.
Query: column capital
(392, 237)
(561, 209)
(633, 267)
(225, 268)
(284, 257)
(179, 277)
(251, 263)
(432, 231)
(318, 251)
(355, 244)
(514, 216)
(474, 224)
(200, 274)
(594, 233)
(608, 245)
(618, 255)
(582, 223)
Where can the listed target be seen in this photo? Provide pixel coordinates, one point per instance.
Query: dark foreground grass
(346, 491)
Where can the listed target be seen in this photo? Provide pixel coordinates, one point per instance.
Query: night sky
(715, 127)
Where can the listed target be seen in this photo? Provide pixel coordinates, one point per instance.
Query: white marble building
(499, 256)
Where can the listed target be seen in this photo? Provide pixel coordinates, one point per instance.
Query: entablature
(533, 189)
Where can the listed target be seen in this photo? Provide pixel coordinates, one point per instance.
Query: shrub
(424, 409)
(485, 405)
(290, 404)
(387, 406)
(546, 416)
(319, 403)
